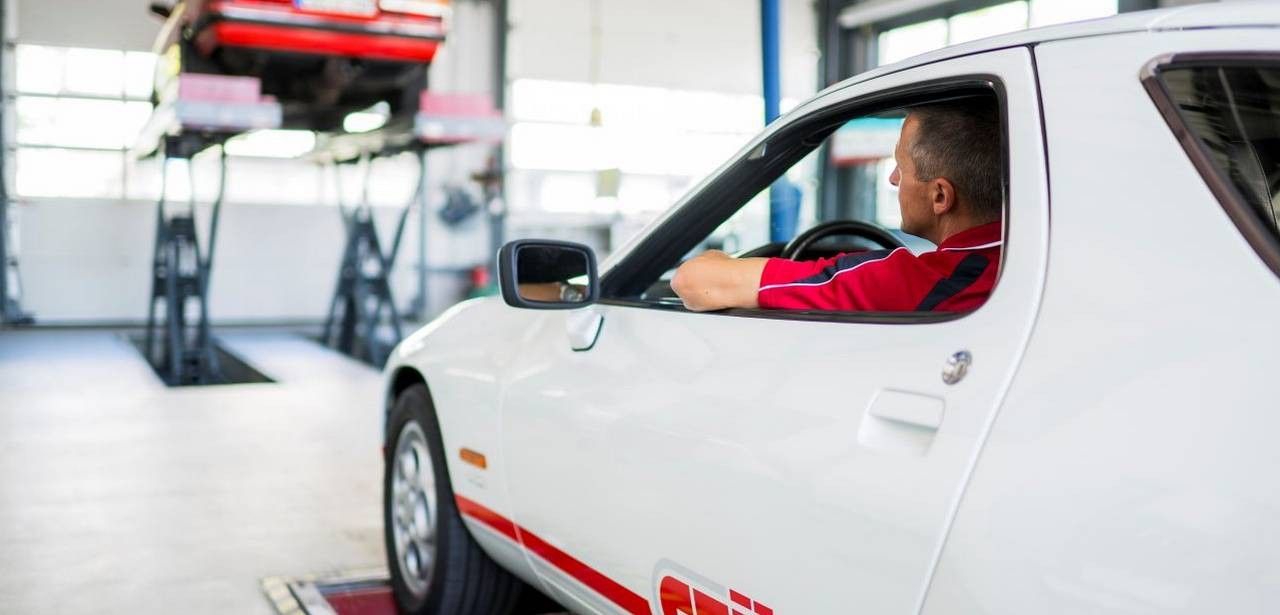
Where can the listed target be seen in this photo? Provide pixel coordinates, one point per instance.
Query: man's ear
(942, 195)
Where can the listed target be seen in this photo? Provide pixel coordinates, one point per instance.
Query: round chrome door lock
(957, 366)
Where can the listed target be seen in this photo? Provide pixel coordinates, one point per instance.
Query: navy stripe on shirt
(847, 261)
(963, 276)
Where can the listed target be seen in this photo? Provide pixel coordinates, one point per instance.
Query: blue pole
(784, 198)
(769, 45)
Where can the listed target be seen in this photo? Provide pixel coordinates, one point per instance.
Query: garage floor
(119, 495)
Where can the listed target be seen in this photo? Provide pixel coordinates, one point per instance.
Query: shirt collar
(976, 238)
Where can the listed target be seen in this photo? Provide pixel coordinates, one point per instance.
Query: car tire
(461, 579)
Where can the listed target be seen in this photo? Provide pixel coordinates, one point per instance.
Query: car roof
(1225, 14)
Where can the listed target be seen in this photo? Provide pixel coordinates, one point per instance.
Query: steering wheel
(856, 228)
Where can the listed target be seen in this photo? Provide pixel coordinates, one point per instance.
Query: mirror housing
(544, 274)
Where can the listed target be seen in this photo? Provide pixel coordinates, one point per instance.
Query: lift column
(195, 113)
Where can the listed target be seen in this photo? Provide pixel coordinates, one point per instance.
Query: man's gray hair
(960, 140)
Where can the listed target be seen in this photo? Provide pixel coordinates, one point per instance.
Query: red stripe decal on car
(492, 519)
(630, 601)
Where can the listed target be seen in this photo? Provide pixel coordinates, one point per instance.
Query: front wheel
(436, 566)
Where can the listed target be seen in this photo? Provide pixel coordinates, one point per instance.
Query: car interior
(868, 221)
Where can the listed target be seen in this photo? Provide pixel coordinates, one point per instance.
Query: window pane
(534, 100)
(79, 122)
(1047, 12)
(94, 71)
(907, 41)
(715, 112)
(660, 140)
(39, 69)
(70, 173)
(1234, 112)
(567, 192)
(650, 194)
(999, 19)
(139, 73)
(552, 146)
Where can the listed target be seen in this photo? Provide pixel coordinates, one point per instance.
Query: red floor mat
(372, 600)
(358, 592)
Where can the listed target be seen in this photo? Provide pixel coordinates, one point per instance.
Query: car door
(759, 461)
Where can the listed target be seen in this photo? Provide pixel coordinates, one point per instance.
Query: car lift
(363, 321)
(180, 275)
(362, 298)
(198, 112)
(201, 110)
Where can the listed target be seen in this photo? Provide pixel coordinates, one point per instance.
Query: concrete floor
(119, 495)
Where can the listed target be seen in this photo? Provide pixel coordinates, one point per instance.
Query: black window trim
(1263, 240)
(683, 226)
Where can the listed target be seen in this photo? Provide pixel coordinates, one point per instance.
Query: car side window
(1227, 112)
(860, 224)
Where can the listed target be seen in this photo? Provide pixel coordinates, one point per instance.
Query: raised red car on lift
(321, 59)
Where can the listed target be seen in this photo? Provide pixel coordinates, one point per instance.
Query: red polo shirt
(957, 277)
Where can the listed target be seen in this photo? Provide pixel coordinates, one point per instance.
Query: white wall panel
(90, 261)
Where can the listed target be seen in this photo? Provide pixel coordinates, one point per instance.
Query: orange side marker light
(474, 458)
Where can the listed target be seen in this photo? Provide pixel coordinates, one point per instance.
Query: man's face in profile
(913, 194)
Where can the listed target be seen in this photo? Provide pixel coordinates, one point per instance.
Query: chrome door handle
(957, 367)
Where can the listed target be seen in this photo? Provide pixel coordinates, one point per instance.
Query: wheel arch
(401, 379)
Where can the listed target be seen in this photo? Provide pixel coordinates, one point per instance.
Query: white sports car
(1096, 438)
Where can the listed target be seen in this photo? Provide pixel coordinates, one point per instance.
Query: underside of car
(317, 91)
(319, 62)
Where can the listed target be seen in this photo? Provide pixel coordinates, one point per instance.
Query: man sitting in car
(949, 191)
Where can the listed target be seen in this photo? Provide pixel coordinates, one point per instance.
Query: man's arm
(714, 280)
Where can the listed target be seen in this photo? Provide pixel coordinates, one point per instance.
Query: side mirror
(543, 274)
(161, 9)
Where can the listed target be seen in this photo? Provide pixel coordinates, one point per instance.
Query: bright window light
(139, 74)
(640, 194)
(39, 69)
(661, 140)
(536, 100)
(272, 144)
(373, 118)
(94, 71)
(555, 147)
(901, 43)
(1048, 12)
(991, 21)
(79, 122)
(566, 192)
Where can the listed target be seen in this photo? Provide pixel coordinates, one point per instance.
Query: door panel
(810, 466)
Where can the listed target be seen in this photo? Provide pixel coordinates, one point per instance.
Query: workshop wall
(88, 260)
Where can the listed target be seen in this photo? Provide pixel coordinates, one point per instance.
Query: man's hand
(714, 280)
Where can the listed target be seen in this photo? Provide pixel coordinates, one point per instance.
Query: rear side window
(1226, 112)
